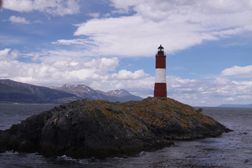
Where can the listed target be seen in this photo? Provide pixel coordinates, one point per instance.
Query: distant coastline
(236, 105)
(2, 102)
(17, 103)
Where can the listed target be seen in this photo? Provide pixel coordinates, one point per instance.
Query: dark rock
(88, 128)
(199, 110)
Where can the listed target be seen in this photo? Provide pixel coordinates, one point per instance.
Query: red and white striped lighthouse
(160, 74)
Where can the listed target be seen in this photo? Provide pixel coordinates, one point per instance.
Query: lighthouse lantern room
(160, 89)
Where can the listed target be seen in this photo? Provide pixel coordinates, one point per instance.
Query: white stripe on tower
(160, 75)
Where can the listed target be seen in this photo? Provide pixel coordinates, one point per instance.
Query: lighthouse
(160, 74)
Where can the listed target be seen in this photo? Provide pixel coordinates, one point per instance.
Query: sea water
(233, 149)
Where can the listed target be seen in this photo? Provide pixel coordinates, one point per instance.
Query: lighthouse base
(160, 90)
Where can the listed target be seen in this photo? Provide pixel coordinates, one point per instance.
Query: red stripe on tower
(160, 74)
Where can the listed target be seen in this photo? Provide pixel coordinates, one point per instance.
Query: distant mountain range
(17, 92)
(236, 105)
(84, 91)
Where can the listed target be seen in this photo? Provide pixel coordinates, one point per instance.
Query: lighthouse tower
(160, 74)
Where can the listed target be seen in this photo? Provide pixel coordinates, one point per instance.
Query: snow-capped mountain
(78, 90)
(84, 91)
(118, 93)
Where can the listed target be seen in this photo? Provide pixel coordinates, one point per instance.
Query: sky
(111, 44)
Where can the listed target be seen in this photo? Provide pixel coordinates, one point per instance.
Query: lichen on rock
(98, 128)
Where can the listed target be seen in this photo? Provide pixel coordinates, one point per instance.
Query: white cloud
(206, 6)
(238, 71)
(95, 15)
(36, 57)
(230, 99)
(124, 74)
(111, 37)
(54, 7)
(18, 19)
(221, 81)
(196, 92)
(73, 41)
(58, 71)
(175, 24)
(4, 53)
(245, 97)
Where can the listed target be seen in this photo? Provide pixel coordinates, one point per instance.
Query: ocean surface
(233, 150)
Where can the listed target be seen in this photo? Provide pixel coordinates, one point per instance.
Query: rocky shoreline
(94, 128)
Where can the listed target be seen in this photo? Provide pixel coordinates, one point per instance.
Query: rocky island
(98, 128)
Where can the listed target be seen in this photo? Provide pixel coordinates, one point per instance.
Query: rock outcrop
(93, 128)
